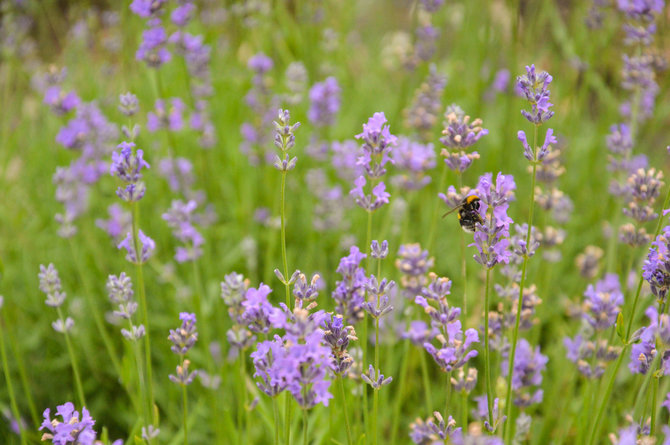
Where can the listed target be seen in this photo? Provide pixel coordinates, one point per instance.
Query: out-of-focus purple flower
(344, 159)
(349, 293)
(59, 101)
(491, 238)
(182, 14)
(183, 376)
(501, 80)
(434, 430)
(128, 104)
(337, 336)
(423, 113)
(152, 49)
(324, 102)
(168, 118)
(260, 63)
(425, 46)
(379, 251)
(414, 265)
(50, 284)
(71, 429)
(413, 159)
(527, 373)
(146, 246)
(372, 202)
(482, 412)
(419, 333)
(147, 8)
(641, 9)
(643, 353)
(656, 268)
(534, 87)
(184, 337)
(591, 357)
(463, 381)
(180, 219)
(666, 402)
(603, 303)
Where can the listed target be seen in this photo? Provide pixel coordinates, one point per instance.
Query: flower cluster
(349, 293)
(284, 140)
(180, 219)
(127, 165)
(458, 135)
(423, 113)
(454, 347)
(183, 339)
(657, 333)
(414, 264)
(337, 336)
(656, 268)
(414, 160)
(50, 284)
(602, 304)
(71, 429)
(377, 144)
(534, 88)
(324, 102)
(491, 238)
(526, 374)
(233, 292)
(120, 292)
(641, 190)
(164, 117)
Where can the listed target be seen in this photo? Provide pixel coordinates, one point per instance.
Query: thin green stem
(448, 402)
(510, 369)
(375, 401)
(304, 427)
(426, 382)
(275, 408)
(654, 401)
(464, 410)
(400, 395)
(73, 360)
(184, 406)
(287, 418)
(434, 217)
(8, 381)
(283, 237)
(487, 352)
(608, 392)
(242, 411)
(344, 410)
(144, 310)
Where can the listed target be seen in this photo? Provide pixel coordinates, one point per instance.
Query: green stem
(144, 310)
(8, 381)
(434, 217)
(344, 410)
(287, 418)
(400, 396)
(304, 427)
(608, 392)
(283, 238)
(464, 410)
(426, 382)
(654, 401)
(487, 352)
(375, 420)
(242, 411)
(448, 402)
(510, 369)
(275, 408)
(73, 360)
(185, 412)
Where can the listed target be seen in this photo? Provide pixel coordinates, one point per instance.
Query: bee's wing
(451, 211)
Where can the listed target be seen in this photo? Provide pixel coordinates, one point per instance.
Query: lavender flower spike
(534, 87)
(374, 379)
(72, 428)
(184, 337)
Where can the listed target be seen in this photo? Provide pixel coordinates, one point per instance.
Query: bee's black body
(468, 213)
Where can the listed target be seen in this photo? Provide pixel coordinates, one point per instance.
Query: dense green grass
(477, 38)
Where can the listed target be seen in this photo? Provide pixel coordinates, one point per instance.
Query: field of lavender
(330, 222)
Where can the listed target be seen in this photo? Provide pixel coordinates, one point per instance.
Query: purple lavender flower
(534, 87)
(378, 303)
(147, 8)
(527, 373)
(379, 251)
(284, 140)
(260, 63)
(419, 333)
(641, 9)
(656, 268)
(371, 202)
(349, 293)
(491, 238)
(426, 105)
(59, 101)
(266, 358)
(375, 378)
(602, 303)
(337, 336)
(591, 357)
(127, 166)
(180, 219)
(377, 143)
(414, 265)
(128, 104)
(72, 429)
(531, 153)
(454, 351)
(146, 246)
(50, 284)
(257, 309)
(152, 49)
(168, 118)
(413, 160)
(324, 102)
(184, 337)
(182, 14)
(459, 132)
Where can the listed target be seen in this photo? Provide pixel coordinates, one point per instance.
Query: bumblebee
(468, 213)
